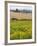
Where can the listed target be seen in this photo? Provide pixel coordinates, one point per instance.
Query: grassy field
(20, 30)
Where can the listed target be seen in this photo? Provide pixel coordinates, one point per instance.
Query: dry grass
(20, 15)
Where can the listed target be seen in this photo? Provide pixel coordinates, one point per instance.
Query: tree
(16, 10)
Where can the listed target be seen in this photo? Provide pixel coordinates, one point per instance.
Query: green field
(20, 30)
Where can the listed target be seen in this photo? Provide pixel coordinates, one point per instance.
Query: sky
(14, 7)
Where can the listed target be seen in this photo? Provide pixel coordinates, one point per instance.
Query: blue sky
(13, 7)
